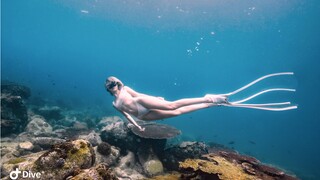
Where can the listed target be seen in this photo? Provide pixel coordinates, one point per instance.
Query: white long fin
(262, 92)
(264, 108)
(257, 80)
(265, 104)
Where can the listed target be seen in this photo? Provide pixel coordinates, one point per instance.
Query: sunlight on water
(169, 14)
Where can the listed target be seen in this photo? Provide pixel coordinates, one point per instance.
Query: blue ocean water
(64, 50)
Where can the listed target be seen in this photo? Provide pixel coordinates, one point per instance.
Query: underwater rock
(38, 127)
(61, 132)
(214, 168)
(66, 121)
(110, 159)
(22, 163)
(7, 147)
(78, 130)
(14, 117)
(247, 167)
(46, 142)
(15, 148)
(118, 134)
(105, 121)
(128, 168)
(167, 176)
(65, 159)
(117, 129)
(90, 121)
(71, 133)
(60, 162)
(49, 112)
(150, 161)
(93, 138)
(9, 150)
(153, 167)
(271, 171)
(79, 126)
(217, 166)
(40, 141)
(14, 89)
(234, 156)
(99, 172)
(173, 155)
(104, 148)
(215, 147)
(24, 148)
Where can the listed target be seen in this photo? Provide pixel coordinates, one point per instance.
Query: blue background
(64, 50)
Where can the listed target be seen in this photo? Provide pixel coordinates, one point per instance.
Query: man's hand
(142, 129)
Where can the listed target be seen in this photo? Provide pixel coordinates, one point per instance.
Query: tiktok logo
(15, 174)
(25, 174)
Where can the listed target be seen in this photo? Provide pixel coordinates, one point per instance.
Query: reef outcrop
(14, 117)
(61, 161)
(187, 149)
(224, 165)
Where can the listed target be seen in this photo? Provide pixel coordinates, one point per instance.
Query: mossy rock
(217, 166)
(22, 163)
(16, 160)
(65, 159)
(171, 176)
(61, 161)
(99, 172)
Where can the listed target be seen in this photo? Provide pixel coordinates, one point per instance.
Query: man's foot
(216, 99)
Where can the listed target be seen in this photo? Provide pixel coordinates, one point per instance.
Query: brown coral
(100, 172)
(226, 165)
(216, 166)
(64, 159)
(104, 148)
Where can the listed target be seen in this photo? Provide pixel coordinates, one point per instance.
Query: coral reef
(173, 155)
(129, 168)
(150, 161)
(108, 120)
(49, 112)
(118, 134)
(22, 163)
(168, 176)
(109, 160)
(99, 172)
(214, 168)
(153, 167)
(235, 166)
(92, 137)
(24, 148)
(38, 126)
(46, 142)
(104, 148)
(14, 116)
(14, 89)
(73, 154)
(66, 158)
(61, 161)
